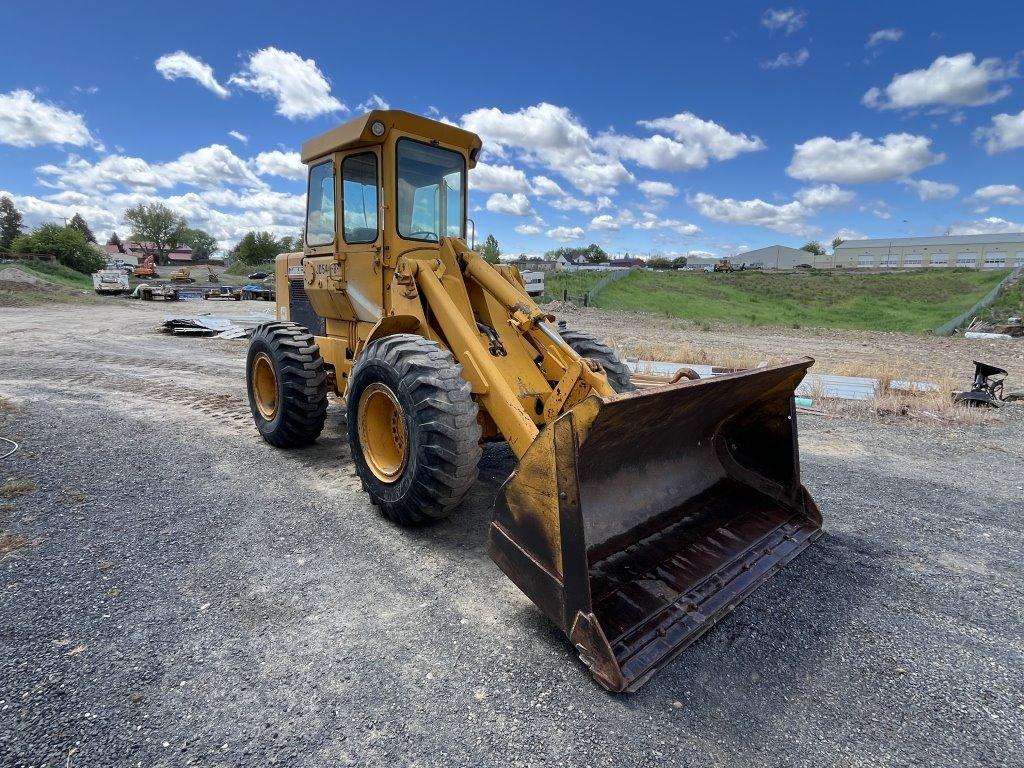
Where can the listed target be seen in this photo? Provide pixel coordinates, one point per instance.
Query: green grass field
(914, 302)
(55, 273)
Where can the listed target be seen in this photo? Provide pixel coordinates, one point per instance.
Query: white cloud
(1005, 133)
(104, 175)
(993, 225)
(948, 81)
(586, 207)
(287, 165)
(848, 234)
(545, 187)
(528, 229)
(691, 143)
(566, 234)
(372, 103)
(788, 18)
(211, 167)
(516, 204)
(298, 85)
(239, 136)
(25, 122)
(1002, 194)
(608, 222)
(858, 159)
(225, 214)
(649, 221)
(498, 178)
(208, 167)
(180, 64)
(790, 218)
(880, 36)
(825, 196)
(657, 189)
(786, 59)
(932, 190)
(551, 136)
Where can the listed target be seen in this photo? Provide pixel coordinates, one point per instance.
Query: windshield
(431, 192)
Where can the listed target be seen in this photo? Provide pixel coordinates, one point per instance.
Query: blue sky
(671, 128)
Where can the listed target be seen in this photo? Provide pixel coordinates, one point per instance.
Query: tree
(490, 250)
(67, 244)
(813, 247)
(201, 242)
(256, 248)
(836, 242)
(157, 224)
(10, 223)
(679, 262)
(659, 262)
(115, 240)
(77, 222)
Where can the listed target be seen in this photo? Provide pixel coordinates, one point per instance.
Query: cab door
(359, 229)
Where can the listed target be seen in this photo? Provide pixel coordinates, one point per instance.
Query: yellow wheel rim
(382, 432)
(264, 386)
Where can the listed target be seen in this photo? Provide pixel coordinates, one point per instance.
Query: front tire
(412, 428)
(287, 384)
(587, 345)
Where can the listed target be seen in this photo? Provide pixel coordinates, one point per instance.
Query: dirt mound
(18, 276)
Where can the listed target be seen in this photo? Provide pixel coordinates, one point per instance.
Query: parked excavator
(635, 520)
(146, 270)
(184, 275)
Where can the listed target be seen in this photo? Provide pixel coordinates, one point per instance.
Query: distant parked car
(802, 266)
(258, 275)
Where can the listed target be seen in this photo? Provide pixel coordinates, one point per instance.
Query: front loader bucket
(637, 521)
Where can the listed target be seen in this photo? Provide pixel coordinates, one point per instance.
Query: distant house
(626, 263)
(570, 264)
(179, 256)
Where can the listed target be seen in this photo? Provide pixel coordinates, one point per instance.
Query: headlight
(377, 128)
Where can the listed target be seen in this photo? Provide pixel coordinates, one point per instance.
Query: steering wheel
(429, 235)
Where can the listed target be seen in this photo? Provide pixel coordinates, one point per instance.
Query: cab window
(320, 205)
(431, 191)
(359, 198)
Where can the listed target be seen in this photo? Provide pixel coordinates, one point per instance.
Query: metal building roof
(884, 242)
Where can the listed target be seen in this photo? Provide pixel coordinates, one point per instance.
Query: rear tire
(412, 428)
(287, 384)
(590, 346)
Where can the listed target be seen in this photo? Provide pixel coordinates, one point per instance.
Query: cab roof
(356, 133)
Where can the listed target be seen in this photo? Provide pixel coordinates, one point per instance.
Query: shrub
(68, 245)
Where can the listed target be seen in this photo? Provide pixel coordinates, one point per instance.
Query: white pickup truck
(110, 281)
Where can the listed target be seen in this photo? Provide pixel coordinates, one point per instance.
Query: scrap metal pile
(219, 326)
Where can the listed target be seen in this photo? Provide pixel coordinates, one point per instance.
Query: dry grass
(933, 405)
(16, 487)
(10, 543)
(8, 404)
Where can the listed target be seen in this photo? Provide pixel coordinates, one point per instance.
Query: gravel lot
(176, 592)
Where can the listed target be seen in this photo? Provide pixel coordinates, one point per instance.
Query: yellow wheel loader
(635, 520)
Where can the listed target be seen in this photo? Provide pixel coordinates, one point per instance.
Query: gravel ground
(181, 593)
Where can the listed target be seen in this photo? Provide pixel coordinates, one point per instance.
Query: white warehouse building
(965, 251)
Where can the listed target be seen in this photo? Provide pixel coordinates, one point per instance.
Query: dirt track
(184, 594)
